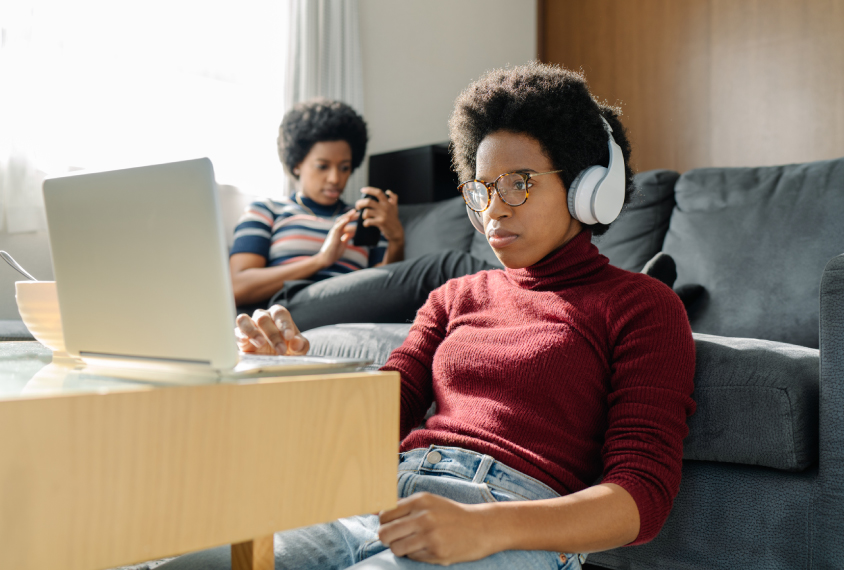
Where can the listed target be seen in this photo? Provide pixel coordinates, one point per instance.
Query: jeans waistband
(475, 467)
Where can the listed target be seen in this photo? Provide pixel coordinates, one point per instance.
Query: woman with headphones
(562, 383)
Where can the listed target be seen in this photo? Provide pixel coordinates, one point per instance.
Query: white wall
(418, 55)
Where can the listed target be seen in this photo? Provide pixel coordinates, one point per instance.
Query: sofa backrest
(637, 235)
(429, 228)
(757, 239)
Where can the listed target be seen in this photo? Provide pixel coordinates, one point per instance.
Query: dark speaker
(418, 175)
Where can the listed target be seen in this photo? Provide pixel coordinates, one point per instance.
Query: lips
(499, 238)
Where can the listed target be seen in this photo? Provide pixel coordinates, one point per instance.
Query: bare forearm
(597, 518)
(258, 284)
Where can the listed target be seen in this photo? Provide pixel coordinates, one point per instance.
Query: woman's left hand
(384, 213)
(433, 529)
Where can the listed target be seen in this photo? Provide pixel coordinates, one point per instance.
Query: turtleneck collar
(318, 209)
(575, 260)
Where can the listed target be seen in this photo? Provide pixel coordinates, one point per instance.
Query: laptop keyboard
(251, 361)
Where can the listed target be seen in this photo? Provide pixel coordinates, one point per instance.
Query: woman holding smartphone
(301, 252)
(307, 237)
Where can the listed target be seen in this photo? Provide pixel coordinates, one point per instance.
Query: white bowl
(38, 305)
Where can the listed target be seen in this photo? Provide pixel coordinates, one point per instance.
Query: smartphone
(366, 236)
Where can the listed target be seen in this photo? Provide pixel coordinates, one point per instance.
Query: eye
(528, 184)
(321, 166)
(346, 168)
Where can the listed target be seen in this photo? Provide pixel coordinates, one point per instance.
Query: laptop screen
(141, 264)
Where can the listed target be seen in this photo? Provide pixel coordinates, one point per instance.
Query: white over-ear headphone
(596, 195)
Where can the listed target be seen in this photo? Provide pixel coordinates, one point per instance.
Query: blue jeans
(463, 476)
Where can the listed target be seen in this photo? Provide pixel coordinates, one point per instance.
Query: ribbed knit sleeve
(652, 354)
(414, 361)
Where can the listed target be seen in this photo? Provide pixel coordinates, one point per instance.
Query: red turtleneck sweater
(569, 370)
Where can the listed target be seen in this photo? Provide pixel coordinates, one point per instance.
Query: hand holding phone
(366, 236)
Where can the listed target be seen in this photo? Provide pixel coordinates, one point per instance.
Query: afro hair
(319, 120)
(548, 103)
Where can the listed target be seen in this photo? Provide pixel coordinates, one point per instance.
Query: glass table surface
(27, 370)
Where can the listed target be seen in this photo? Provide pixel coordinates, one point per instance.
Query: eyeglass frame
(526, 176)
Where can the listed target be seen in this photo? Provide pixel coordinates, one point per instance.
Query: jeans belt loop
(483, 469)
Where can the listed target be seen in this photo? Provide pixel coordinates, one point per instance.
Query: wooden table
(97, 472)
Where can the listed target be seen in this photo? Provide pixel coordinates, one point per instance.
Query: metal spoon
(16, 266)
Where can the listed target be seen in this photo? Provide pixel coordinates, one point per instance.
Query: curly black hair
(548, 103)
(319, 120)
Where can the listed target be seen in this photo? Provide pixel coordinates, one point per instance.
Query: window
(101, 84)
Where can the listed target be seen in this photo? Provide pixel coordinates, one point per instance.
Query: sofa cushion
(429, 228)
(757, 239)
(358, 340)
(637, 235)
(757, 403)
(14, 329)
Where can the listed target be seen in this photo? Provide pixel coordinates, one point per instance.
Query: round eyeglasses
(512, 188)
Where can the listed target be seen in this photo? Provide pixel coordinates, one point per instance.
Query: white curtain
(21, 204)
(100, 84)
(325, 61)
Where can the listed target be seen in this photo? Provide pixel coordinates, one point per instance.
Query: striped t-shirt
(294, 229)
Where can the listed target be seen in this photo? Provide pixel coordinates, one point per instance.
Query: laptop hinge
(129, 358)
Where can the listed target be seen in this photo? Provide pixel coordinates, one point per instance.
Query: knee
(453, 263)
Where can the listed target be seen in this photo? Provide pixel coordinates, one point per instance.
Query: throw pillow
(663, 268)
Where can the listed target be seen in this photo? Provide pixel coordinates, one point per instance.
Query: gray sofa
(763, 476)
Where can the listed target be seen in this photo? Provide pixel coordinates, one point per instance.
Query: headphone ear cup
(580, 194)
(476, 220)
(597, 193)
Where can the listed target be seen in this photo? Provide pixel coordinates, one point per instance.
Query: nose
(498, 208)
(333, 175)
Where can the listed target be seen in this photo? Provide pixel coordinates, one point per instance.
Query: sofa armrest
(828, 512)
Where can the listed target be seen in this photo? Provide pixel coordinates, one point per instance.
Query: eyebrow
(318, 159)
(519, 170)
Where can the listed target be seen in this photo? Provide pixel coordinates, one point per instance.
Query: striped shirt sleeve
(253, 232)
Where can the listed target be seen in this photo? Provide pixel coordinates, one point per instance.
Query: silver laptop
(142, 275)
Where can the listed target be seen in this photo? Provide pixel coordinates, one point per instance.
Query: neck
(573, 260)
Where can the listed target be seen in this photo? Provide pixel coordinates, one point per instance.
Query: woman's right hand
(338, 237)
(270, 331)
